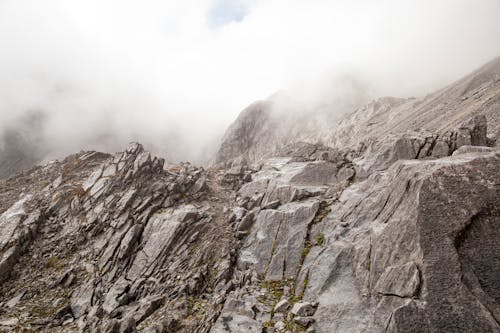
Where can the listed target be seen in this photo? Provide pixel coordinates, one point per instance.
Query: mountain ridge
(389, 223)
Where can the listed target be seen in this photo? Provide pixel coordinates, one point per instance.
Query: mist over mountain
(249, 166)
(175, 75)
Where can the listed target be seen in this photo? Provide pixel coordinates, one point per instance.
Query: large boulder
(422, 243)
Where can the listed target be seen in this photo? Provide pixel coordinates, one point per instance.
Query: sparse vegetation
(54, 263)
(78, 191)
(320, 239)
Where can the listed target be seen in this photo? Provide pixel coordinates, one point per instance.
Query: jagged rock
(13, 302)
(278, 236)
(200, 185)
(280, 325)
(441, 149)
(113, 298)
(11, 322)
(282, 305)
(7, 261)
(147, 307)
(272, 205)
(472, 149)
(402, 281)
(113, 326)
(128, 241)
(246, 222)
(404, 229)
(477, 127)
(82, 299)
(303, 321)
(302, 309)
(381, 232)
(127, 325)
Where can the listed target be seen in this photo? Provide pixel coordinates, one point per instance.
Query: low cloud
(174, 74)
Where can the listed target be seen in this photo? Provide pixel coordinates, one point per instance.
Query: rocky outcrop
(397, 234)
(379, 123)
(370, 256)
(117, 233)
(409, 258)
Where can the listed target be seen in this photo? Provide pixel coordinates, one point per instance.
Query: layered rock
(119, 238)
(377, 123)
(396, 232)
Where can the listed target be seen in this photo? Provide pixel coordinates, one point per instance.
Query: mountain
(382, 219)
(265, 126)
(21, 145)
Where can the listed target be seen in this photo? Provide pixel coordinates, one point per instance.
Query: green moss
(54, 263)
(269, 324)
(305, 251)
(320, 239)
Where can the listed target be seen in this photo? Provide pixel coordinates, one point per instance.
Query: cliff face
(389, 223)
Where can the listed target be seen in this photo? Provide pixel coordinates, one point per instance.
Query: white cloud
(160, 72)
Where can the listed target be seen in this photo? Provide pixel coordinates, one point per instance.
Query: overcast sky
(176, 73)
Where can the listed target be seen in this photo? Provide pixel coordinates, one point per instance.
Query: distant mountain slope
(391, 229)
(21, 145)
(264, 126)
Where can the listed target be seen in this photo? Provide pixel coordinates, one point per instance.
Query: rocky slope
(265, 126)
(387, 224)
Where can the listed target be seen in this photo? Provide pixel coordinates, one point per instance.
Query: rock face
(391, 233)
(375, 125)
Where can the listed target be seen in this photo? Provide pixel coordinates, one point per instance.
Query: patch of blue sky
(227, 11)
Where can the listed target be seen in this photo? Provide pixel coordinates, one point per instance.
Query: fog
(96, 74)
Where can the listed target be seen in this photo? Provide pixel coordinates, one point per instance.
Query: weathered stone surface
(402, 281)
(316, 174)
(114, 298)
(395, 230)
(302, 309)
(303, 321)
(82, 299)
(441, 149)
(363, 224)
(278, 236)
(472, 149)
(282, 305)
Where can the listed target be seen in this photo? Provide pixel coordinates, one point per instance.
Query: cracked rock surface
(376, 232)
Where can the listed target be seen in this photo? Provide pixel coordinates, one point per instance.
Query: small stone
(278, 316)
(280, 325)
(68, 281)
(9, 322)
(128, 325)
(272, 205)
(200, 185)
(241, 234)
(303, 321)
(303, 309)
(14, 301)
(282, 305)
(67, 319)
(246, 222)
